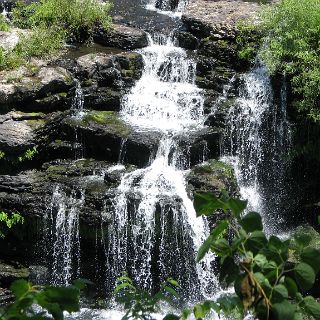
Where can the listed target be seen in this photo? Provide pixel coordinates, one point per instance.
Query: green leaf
(291, 286)
(206, 203)
(312, 307)
(221, 247)
(302, 239)
(305, 276)
(229, 303)
(256, 241)
(20, 288)
(124, 285)
(251, 222)
(173, 282)
(171, 291)
(205, 247)
(81, 283)
(260, 260)
(66, 297)
(229, 270)
(237, 206)
(279, 293)
(311, 256)
(283, 310)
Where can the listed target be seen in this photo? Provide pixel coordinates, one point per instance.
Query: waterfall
(152, 210)
(170, 7)
(257, 142)
(62, 240)
(78, 100)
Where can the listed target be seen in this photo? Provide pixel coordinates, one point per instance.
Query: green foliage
(292, 45)
(51, 24)
(248, 40)
(138, 303)
(52, 300)
(264, 281)
(41, 43)
(3, 24)
(29, 154)
(7, 221)
(2, 155)
(75, 17)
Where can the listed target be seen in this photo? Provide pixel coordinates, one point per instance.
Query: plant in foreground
(266, 283)
(53, 301)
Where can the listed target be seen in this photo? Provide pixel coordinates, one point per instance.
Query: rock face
(204, 18)
(42, 89)
(121, 36)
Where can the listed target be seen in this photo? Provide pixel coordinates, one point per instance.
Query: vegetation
(51, 300)
(29, 154)
(292, 46)
(266, 283)
(50, 24)
(7, 221)
(3, 24)
(75, 17)
(138, 303)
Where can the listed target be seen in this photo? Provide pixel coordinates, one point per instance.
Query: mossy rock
(109, 118)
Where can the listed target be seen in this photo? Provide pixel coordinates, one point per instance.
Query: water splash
(78, 100)
(172, 8)
(158, 192)
(256, 143)
(165, 98)
(62, 235)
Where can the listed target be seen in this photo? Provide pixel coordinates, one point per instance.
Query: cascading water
(153, 212)
(78, 100)
(170, 7)
(62, 233)
(257, 143)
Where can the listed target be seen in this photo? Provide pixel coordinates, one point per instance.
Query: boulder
(121, 36)
(219, 18)
(17, 132)
(34, 91)
(11, 272)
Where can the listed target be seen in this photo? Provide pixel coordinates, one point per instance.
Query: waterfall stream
(152, 229)
(164, 99)
(61, 232)
(257, 142)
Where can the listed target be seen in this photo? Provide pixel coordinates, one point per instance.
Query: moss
(109, 118)
(88, 83)
(198, 78)
(128, 73)
(36, 122)
(214, 166)
(30, 114)
(63, 94)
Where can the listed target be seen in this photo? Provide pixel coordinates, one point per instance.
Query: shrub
(76, 17)
(292, 45)
(3, 24)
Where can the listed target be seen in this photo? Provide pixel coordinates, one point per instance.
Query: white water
(164, 99)
(62, 232)
(258, 140)
(78, 100)
(164, 7)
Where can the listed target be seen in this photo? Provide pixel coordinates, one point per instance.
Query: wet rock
(217, 18)
(186, 40)
(33, 91)
(213, 176)
(103, 135)
(6, 296)
(121, 36)
(17, 132)
(11, 272)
